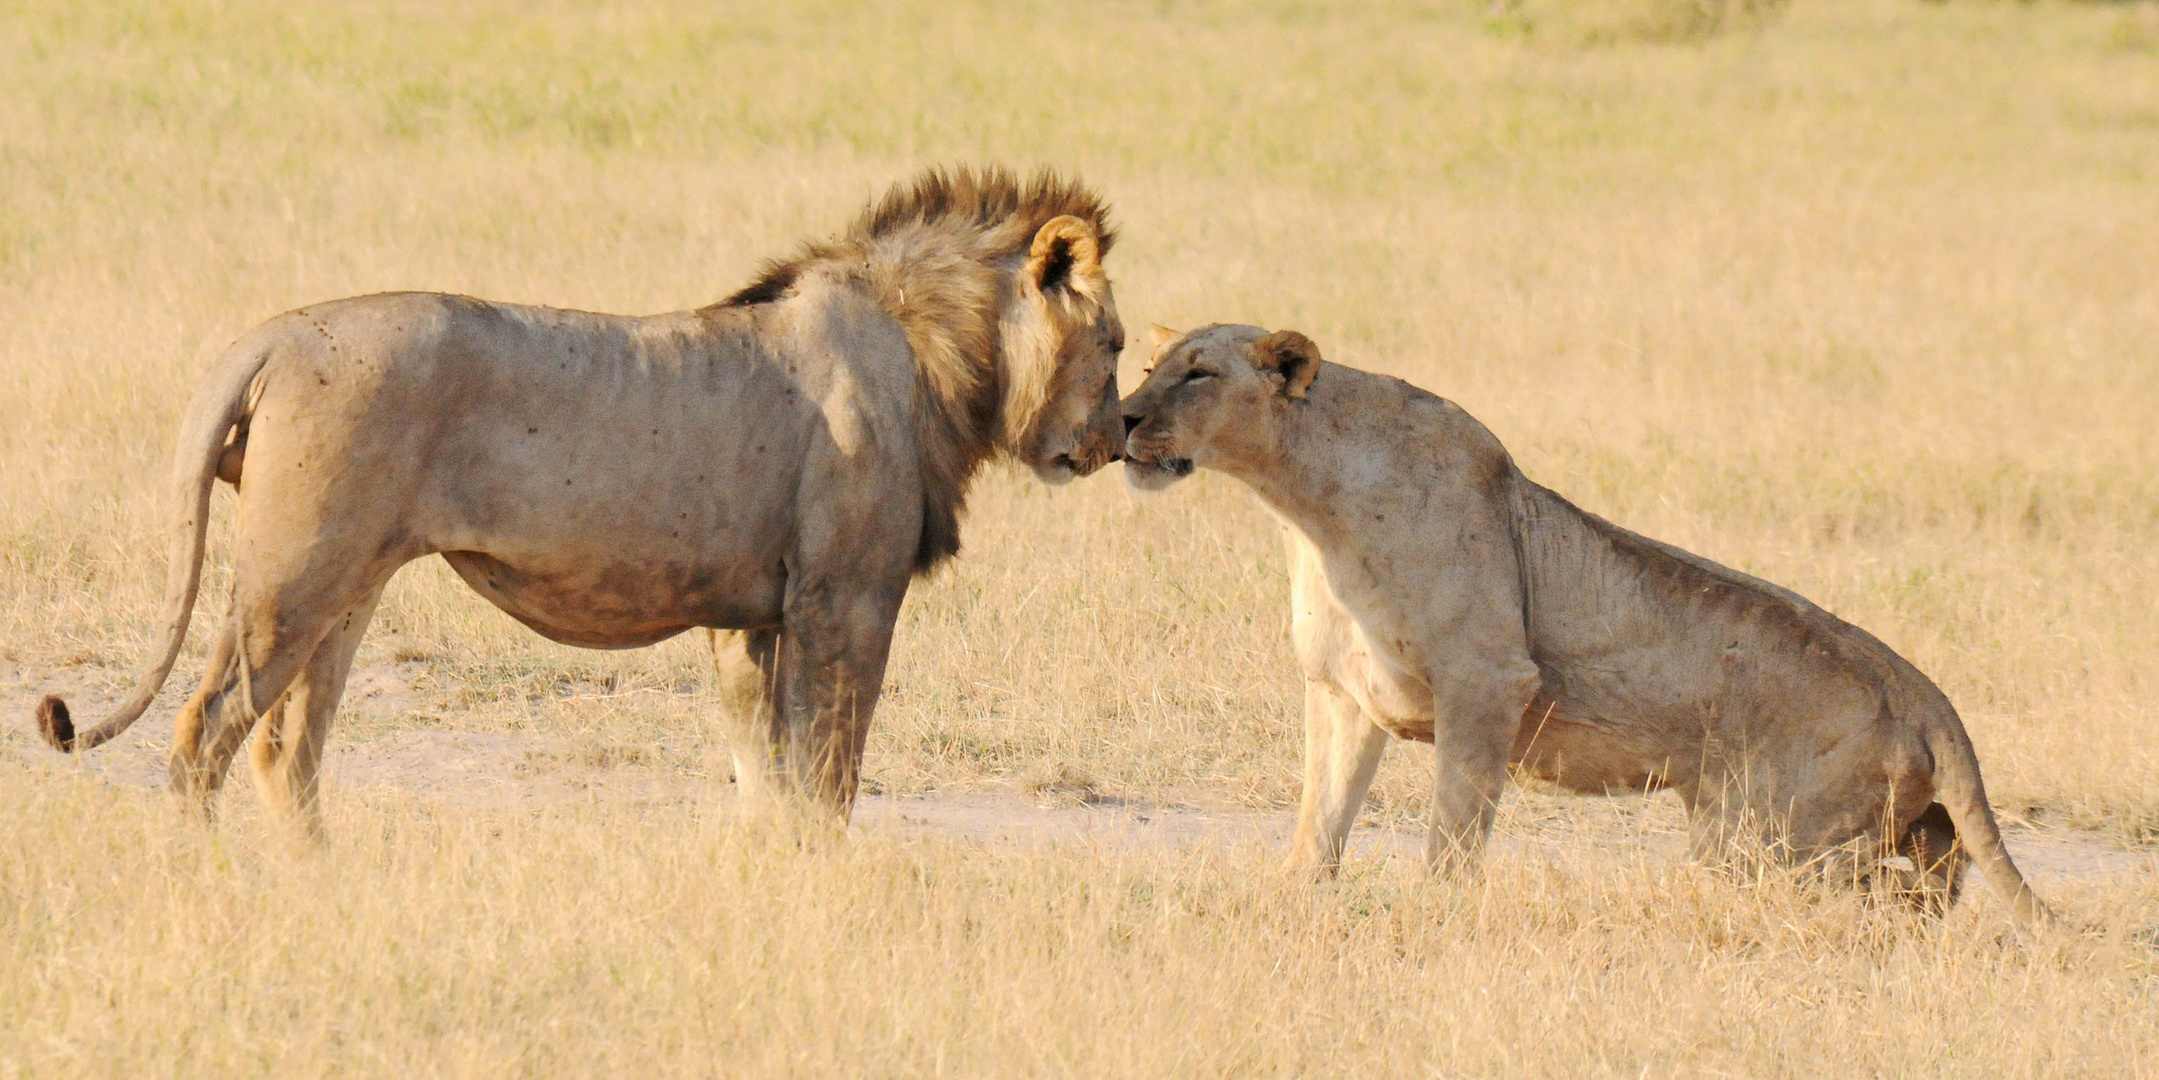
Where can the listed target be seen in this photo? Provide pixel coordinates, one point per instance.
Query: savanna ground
(1858, 297)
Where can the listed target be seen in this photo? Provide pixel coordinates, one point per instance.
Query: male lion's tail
(198, 459)
(1960, 791)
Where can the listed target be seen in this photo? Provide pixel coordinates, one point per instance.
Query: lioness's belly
(1584, 757)
(1567, 752)
(624, 604)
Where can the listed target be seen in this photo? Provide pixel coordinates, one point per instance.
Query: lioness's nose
(1131, 422)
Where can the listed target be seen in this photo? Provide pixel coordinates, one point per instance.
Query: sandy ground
(504, 770)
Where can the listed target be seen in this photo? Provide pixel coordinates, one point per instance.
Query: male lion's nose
(1131, 422)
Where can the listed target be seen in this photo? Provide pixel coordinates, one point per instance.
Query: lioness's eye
(1196, 375)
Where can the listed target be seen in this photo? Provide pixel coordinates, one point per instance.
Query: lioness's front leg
(1477, 712)
(1341, 756)
(1469, 777)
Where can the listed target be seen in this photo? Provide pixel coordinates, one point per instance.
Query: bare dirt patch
(1051, 806)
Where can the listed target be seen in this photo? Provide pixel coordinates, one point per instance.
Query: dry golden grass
(1860, 301)
(622, 943)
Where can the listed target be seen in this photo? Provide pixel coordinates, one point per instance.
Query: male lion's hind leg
(286, 758)
(268, 637)
(1342, 749)
(746, 664)
(235, 692)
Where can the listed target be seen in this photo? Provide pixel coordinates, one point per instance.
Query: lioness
(1440, 595)
(776, 466)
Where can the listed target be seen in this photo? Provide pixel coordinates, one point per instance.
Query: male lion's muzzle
(1098, 451)
(1088, 463)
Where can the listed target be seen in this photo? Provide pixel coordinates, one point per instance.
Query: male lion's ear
(1163, 335)
(1288, 354)
(1063, 246)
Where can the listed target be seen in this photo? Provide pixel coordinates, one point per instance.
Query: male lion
(775, 467)
(1440, 595)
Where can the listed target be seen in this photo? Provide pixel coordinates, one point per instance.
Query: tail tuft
(54, 723)
(1930, 842)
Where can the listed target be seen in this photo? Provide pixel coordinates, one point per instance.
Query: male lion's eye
(1196, 375)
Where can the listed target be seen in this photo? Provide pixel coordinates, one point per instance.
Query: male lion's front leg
(1341, 756)
(834, 668)
(746, 663)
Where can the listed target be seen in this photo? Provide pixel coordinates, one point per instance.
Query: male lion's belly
(604, 604)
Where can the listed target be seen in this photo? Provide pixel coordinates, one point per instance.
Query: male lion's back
(513, 429)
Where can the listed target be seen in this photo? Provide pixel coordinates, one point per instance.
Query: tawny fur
(1440, 595)
(934, 253)
(773, 468)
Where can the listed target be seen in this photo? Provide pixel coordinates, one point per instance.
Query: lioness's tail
(224, 402)
(1958, 788)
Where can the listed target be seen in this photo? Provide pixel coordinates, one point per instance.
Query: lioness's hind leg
(1930, 842)
(1722, 829)
(287, 755)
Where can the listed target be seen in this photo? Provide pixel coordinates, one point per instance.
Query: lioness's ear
(1288, 354)
(1063, 246)
(1163, 335)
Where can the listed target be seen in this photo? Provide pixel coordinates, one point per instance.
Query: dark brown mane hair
(984, 200)
(933, 252)
(990, 198)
